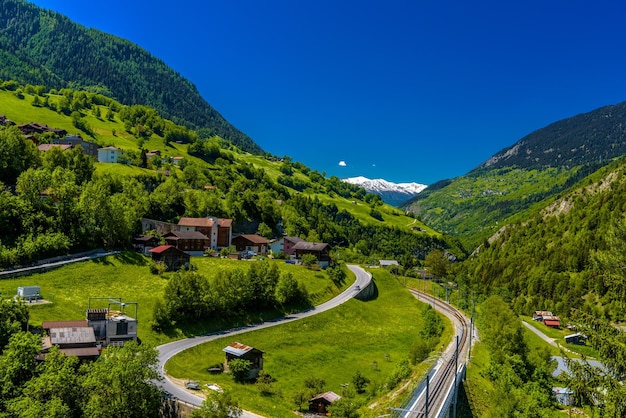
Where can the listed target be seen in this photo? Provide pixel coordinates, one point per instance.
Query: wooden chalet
(171, 256)
(192, 242)
(320, 250)
(251, 242)
(39, 128)
(241, 351)
(320, 403)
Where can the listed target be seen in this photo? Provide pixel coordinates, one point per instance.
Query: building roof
(205, 222)
(238, 349)
(254, 238)
(175, 235)
(64, 324)
(293, 239)
(552, 322)
(163, 248)
(72, 335)
(144, 238)
(48, 147)
(109, 148)
(385, 263)
(225, 222)
(201, 222)
(330, 397)
(311, 246)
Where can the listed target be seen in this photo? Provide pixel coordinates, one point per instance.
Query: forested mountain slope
(539, 166)
(39, 46)
(567, 256)
(57, 201)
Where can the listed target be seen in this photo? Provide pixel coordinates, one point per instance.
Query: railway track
(429, 398)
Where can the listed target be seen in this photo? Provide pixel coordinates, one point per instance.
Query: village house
(108, 154)
(320, 250)
(219, 230)
(241, 351)
(192, 242)
(251, 242)
(39, 128)
(112, 327)
(144, 243)
(284, 244)
(89, 148)
(169, 255)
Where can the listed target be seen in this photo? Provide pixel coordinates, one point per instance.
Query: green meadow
(127, 275)
(370, 337)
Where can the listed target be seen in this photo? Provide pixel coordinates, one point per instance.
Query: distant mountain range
(392, 193)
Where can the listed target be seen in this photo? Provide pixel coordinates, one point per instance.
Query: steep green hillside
(42, 47)
(539, 166)
(567, 256)
(57, 201)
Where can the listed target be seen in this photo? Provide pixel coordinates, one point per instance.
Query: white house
(108, 154)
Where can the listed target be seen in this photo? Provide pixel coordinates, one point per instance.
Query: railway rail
(430, 397)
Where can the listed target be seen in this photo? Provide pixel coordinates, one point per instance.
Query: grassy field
(559, 336)
(128, 276)
(331, 346)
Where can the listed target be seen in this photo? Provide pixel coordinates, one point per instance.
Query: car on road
(192, 384)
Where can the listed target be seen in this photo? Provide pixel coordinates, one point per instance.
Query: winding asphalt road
(169, 350)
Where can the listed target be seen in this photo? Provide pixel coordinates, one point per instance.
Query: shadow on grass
(216, 325)
(131, 257)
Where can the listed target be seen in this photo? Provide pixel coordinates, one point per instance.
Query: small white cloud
(342, 163)
(373, 165)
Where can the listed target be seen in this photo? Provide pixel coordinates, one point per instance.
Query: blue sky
(408, 91)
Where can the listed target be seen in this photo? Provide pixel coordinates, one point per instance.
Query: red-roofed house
(552, 321)
(171, 256)
(251, 242)
(219, 230)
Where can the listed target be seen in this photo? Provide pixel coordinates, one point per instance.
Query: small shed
(320, 403)
(577, 338)
(29, 292)
(563, 396)
(144, 243)
(241, 351)
(171, 256)
(387, 263)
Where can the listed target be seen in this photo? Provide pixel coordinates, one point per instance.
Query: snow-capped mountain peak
(392, 193)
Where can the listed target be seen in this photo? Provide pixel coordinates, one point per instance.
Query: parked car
(192, 384)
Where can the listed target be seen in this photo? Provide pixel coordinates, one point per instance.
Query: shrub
(240, 369)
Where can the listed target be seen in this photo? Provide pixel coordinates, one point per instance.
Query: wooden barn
(171, 256)
(241, 351)
(319, 404)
